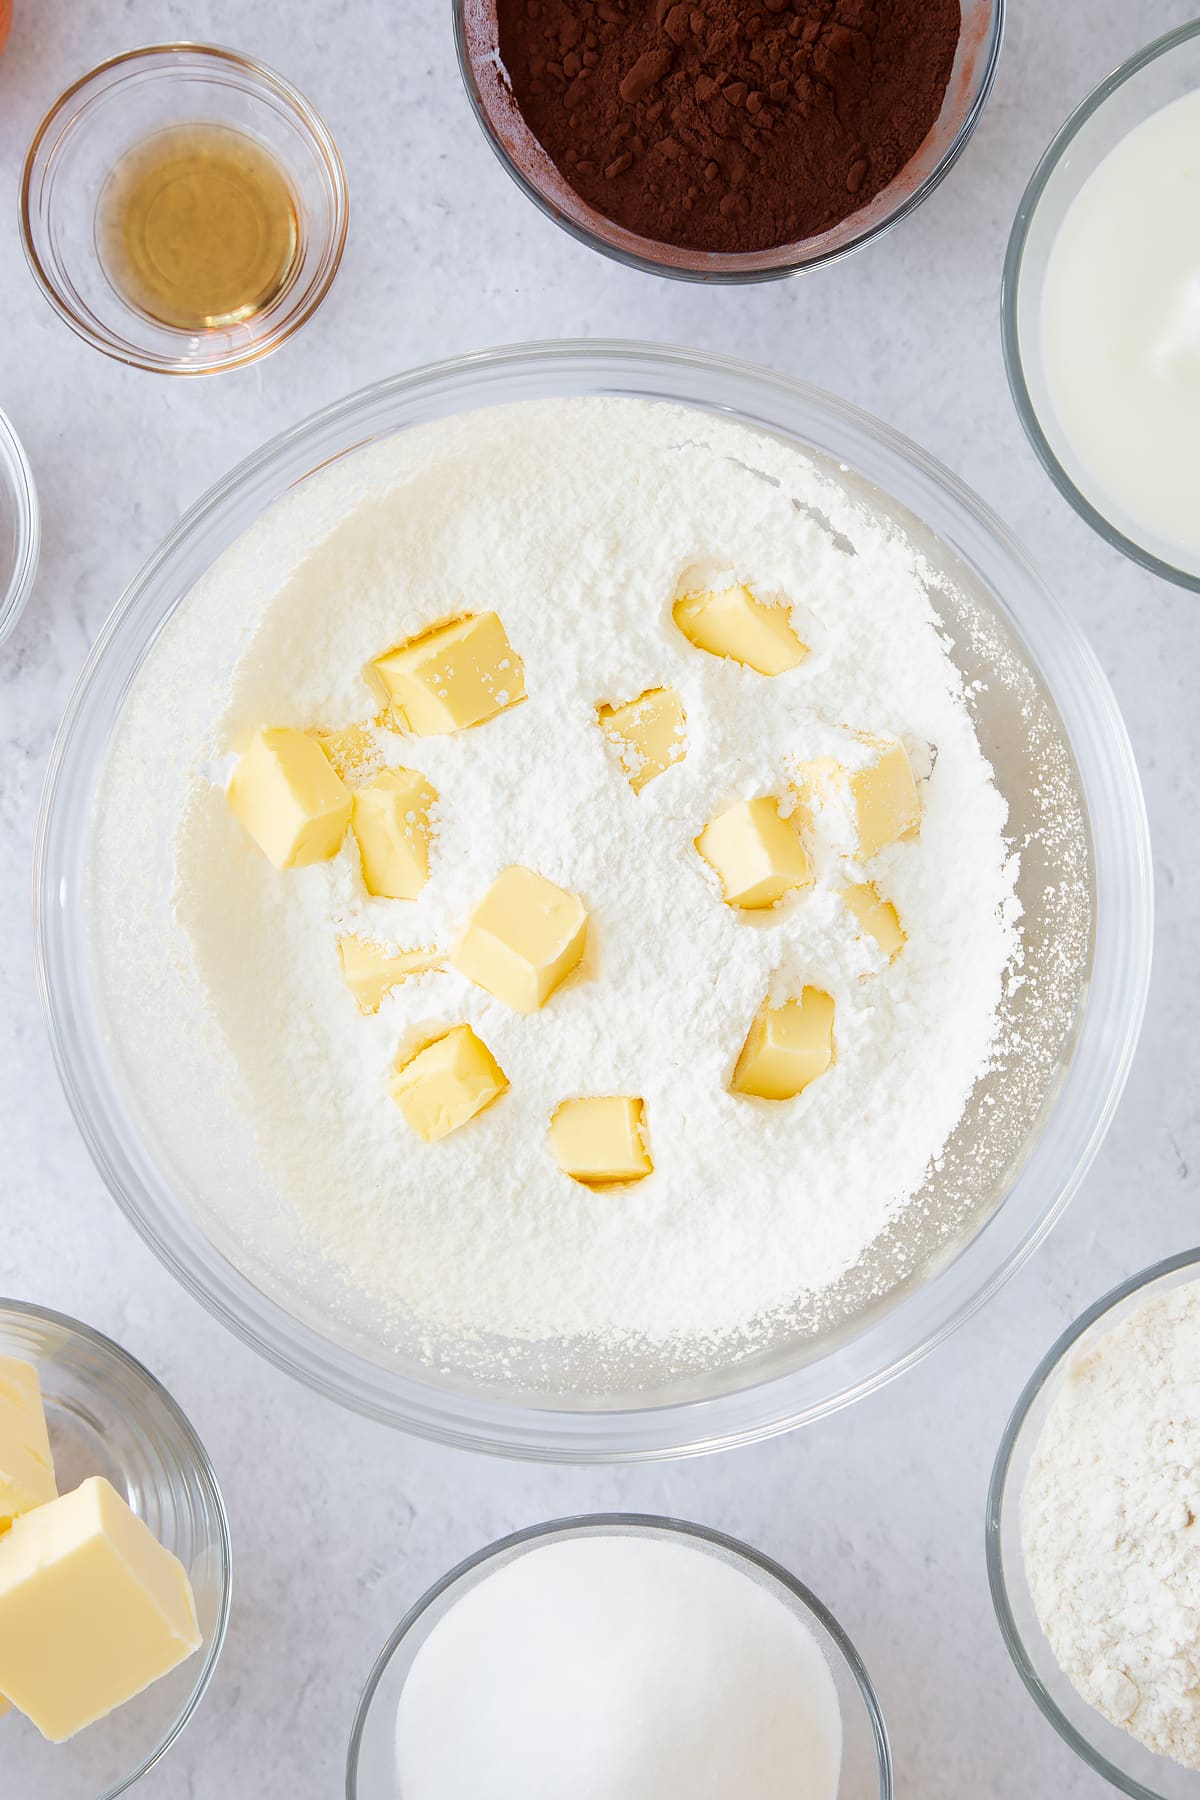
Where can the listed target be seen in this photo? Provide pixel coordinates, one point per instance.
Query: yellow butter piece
(5, 1706)
(352, 752)
(391, 823)
(454, 676)
(288, 798)
(734, 623)
(523, 939)
(788, 1047)
(92, 1610)
(886, 799)
(647, 734)
(601, 1141)
(446, 1083)
(876, 917)
(881, 798)
(370, 971)
(26, 1465)
(757, 854)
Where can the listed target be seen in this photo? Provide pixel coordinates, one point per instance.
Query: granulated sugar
(619, 1668)
(577, 521)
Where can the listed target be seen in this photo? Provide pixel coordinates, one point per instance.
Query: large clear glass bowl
(1046, 719)
(866, 1770)
(1113, 1753)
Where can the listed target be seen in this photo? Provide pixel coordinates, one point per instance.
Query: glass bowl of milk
(1101, 308)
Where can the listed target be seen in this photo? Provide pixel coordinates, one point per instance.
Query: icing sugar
(578, 521)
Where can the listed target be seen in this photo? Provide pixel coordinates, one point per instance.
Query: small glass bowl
(109, 1416)
(1113, 1753)
(486, 82)
(866, 1754)
(120, 104)
(20, 527)
(1162, 72)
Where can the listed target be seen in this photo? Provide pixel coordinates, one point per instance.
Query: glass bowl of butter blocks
(115, 1571)
(1047, 723)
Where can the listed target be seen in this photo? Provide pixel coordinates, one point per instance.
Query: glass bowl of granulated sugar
(726, 143)
(619, 1654)
(783, 1255)
(1093, 1534)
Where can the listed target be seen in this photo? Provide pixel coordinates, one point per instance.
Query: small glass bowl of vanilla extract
(184, 209)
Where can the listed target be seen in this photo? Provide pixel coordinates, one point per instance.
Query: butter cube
(92, 1610)
(451, 677)
(26, 1466)
(288, 798)
(391, 822)
(370, 971)
(524, 938)
(647, 734)
(787, 1047)
(601, 1141)
(885, 798)
(733, 623)
(881, 798)
(352, 752)
(876, 917)
(757, 854)
(446, 1083)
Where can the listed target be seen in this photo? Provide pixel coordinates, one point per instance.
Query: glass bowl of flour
(1091, 1527)
(782, 1258)
(619, 1653)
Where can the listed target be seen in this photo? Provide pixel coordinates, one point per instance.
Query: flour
(576, 521)
(1111, 1524)
(619, 1668)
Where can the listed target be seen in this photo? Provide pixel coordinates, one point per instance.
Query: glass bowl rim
(997, 1497)
(731, 268)
(613, 1524)
(315, 130)
(1010, 287)
(15, 463)
(207, 1477)
(675, 1428)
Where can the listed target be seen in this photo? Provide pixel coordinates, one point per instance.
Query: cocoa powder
(729, 125)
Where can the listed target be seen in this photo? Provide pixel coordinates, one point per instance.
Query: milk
(1121, 333)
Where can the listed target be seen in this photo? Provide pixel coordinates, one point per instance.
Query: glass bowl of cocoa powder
(720, 140)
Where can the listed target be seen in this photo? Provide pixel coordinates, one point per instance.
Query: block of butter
(288, 798)
(647, 734)
(370, 971)
(352, 751)
(757, 854)
(446, 1083)
(26, 1466)
(734, 623)
(602, 1140)
(881, 797)
(93, 1610)
(390, 820)
(787, 1047)
(876, 917)
(523, 939)
(455, 675)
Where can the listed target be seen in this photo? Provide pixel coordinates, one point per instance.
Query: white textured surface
(340, 1524)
